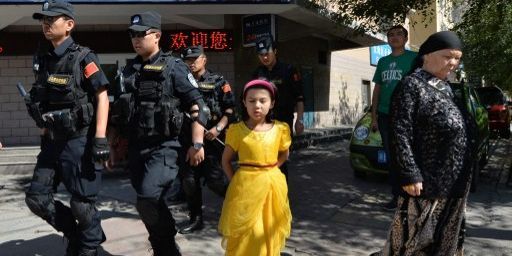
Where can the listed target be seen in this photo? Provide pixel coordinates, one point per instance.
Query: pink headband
(268, 85)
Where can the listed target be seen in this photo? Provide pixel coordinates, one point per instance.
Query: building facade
(306, 39)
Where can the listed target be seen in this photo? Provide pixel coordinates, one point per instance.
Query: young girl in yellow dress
(256, 217)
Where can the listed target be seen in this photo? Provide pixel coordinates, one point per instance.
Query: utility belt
(65, 123)
(159, 118)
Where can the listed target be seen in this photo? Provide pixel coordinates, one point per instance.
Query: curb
(308, 138)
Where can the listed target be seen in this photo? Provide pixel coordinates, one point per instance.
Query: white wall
(348, 69)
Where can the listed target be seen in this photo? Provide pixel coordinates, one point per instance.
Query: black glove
(100, 150)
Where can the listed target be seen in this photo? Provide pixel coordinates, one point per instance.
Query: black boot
(88, 252)
(195, 223)
(165, 249)
(73, 246)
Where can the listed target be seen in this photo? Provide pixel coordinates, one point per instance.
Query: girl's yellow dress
(256, 217)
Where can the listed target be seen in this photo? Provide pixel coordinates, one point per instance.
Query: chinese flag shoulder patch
(90, 69)
(226, 88)
(296, 77)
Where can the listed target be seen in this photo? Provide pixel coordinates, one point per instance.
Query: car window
(491, 96)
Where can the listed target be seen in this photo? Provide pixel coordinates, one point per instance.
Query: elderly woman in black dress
(432, 149)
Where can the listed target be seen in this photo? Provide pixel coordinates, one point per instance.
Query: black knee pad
(148, 210)
(40, 205)
(189, 184)
(84, 211)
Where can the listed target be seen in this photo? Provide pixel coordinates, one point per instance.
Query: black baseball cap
(145, 21)
(193, 51)
(54, 8)
(264, 44)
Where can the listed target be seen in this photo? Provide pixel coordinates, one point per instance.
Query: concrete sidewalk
(333, 213)
(22, 159)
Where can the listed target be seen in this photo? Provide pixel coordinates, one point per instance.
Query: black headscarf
(435, 42)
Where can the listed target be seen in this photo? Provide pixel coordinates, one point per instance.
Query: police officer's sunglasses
(51, 19)
(139, 34)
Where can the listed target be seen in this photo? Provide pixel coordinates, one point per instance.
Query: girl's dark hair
(253, 84)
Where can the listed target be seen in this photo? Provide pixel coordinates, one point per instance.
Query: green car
(367, 155)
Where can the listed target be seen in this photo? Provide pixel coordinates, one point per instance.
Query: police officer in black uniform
(220, 100)
(159, 88)
(290, 92)
(69, 103)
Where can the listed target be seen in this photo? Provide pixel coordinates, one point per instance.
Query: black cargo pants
(153, 170)
(68, 161)
(210, 169)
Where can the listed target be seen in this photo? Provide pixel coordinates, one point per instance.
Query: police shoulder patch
(192, 80)
(296, 76)
(90, 69)
(226, 88)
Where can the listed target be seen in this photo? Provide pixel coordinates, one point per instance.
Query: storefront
(305, 39)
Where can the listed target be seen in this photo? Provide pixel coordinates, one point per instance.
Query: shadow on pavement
(331, 207)
(490, 233)
(49, 245)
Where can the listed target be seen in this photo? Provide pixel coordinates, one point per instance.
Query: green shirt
(389, 72)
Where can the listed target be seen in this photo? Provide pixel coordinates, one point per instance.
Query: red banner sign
(211, 40)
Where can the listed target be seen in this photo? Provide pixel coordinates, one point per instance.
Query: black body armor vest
(155, 109)
(66, 108)
(210, 90)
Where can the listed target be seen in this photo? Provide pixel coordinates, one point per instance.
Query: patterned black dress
(430, 144)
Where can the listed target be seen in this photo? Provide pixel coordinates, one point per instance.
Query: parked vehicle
(367, 155)
(498, 108)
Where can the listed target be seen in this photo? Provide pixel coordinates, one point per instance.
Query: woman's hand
(413, 189)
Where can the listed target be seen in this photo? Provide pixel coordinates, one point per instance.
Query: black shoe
(376, 254)
(391, 205)
(196, 223)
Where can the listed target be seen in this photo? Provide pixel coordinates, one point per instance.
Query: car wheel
(476, 176)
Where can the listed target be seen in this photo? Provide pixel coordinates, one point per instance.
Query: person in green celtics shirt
(390, 70)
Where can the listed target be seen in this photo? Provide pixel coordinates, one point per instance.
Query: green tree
(370, 15)
(486, 30)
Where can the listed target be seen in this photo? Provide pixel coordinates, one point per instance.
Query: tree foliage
(486, 30)
(370, 15)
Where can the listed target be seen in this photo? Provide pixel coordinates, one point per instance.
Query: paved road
(333, 213)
